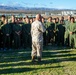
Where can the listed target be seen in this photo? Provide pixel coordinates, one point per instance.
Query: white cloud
(3, 4)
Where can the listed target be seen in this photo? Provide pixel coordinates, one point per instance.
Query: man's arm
(42, 28)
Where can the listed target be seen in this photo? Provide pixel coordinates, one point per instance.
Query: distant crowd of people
(15, 32)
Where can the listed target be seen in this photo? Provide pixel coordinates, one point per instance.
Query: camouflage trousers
(73, 40)
(37, 48)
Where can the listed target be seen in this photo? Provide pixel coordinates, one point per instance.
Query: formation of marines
(60, 32)
(15, 33)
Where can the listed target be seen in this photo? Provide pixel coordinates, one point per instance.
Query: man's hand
(71, 32)
(54, 31)
(7, 34)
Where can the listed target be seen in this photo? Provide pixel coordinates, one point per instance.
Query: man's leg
(39, 50)
(34, 51)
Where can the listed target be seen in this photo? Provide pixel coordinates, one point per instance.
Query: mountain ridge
(2, 7)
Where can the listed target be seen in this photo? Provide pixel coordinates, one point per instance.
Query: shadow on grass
(55, 54)
(25, 69)
(11, 56)
(23, 55)
(15, 70)
(46, 61)
(19, 58)
(55, 47)
(51, 61)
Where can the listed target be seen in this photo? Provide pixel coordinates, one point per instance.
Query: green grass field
(55, 61)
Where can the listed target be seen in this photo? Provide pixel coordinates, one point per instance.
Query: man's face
(23, 19)
(62, 18)
(54, 20)
(34, 19)
(72, 20)
(27, 20)
(50, 19)
(13, 19)
(6, 21)
(69, 17)
(42, 19)
(61, 22)
(3, 18)
(57, 20)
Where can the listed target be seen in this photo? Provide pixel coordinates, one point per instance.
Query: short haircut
(3, 16)
(49, 17)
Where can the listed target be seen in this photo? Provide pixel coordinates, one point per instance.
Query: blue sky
(41, 3)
